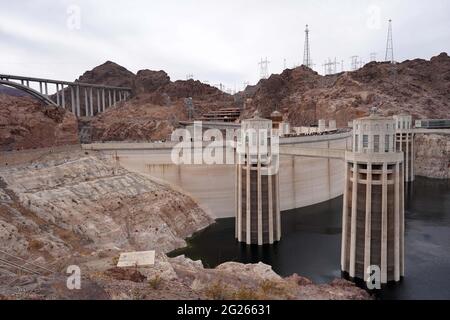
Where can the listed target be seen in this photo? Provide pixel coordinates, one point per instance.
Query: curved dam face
(304, 181)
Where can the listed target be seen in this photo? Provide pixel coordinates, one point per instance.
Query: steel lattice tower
(264, 68)
(390, 45)
(307, 53)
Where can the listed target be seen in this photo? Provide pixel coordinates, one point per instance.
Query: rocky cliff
(157, 105)
(78, 202)
(432, 156)
(418, 87)
(108, 73)
(26, 123)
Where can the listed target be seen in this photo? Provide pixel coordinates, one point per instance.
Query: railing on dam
(313, 152)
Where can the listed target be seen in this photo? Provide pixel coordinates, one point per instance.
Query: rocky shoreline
(77, 208)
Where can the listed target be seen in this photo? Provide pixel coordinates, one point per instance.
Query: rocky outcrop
(177, 278)
(148, 81)
(78, 203)
(432, 156)
(110, 74)
(136, 121)
(26, 123)
(156, 108)
(418, 87)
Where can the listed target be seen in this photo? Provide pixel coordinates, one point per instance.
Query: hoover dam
(304, 180)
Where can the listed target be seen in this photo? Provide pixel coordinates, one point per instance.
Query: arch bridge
(83, 99)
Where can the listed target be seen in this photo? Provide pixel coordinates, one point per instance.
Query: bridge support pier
(77, 101)
(57, 94)
(91, 102)
(72, 101)
(103, 100)
(63, 97)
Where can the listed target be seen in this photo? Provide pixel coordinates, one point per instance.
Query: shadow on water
(311, 243)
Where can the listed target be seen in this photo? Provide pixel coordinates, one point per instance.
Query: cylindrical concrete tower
(257, 191)
(373, 209)
(405, 142)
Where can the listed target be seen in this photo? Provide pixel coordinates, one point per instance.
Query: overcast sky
(216, 41)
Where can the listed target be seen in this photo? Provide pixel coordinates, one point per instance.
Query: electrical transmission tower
(373, 56)
(189, 76)
(330, 67)
(390, 45)
(307, 53)
(264, 68)
(356, 63)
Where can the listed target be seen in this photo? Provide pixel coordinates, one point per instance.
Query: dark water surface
(311, 243)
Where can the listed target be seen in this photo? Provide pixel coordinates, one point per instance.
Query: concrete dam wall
(304, 181)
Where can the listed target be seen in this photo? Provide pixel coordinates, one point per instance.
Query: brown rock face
(26, 124)
(156, 108)
(432, 155)
(110, 74)
(147, 81)
(418, 87)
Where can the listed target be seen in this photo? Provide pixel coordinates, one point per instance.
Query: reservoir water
(311, 243)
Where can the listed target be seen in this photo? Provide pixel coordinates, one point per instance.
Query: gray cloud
(215, 41)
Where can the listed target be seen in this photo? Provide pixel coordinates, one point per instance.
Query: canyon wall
(74, 202)
(26, 124)
(432, 155)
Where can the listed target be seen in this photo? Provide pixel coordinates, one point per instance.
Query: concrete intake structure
(258, 218)
(373, 205)
(405, 142)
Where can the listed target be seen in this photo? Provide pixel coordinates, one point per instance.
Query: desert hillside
(418, 87)
(157, 105)
(26, 123)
